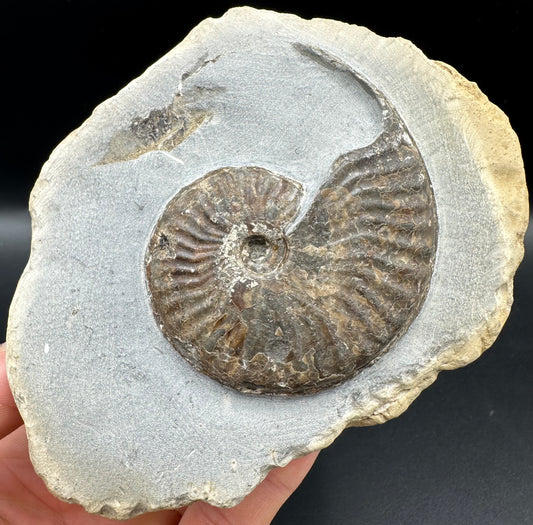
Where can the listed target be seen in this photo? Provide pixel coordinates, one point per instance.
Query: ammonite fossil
(282, 228)
(265, 295)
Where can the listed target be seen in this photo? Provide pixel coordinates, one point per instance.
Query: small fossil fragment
(278, 206)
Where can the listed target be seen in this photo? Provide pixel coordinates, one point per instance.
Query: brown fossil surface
(267, 297)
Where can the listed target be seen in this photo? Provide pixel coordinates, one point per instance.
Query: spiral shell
(267, 296)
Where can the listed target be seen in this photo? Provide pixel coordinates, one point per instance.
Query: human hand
(25, 500)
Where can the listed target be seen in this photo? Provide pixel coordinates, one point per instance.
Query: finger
(15, 444)
(9, 415)
(163, 517)
(259, 507)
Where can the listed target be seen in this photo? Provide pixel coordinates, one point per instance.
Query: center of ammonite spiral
(256, 248)
(263, 253)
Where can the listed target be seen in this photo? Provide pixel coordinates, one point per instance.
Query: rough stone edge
(496, 152)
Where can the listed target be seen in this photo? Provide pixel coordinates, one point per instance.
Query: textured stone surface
(117, 419)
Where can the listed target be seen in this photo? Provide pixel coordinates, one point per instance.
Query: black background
(463, 452)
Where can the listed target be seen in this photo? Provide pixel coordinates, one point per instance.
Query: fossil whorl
(267, 297)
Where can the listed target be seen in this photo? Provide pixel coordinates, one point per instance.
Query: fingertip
(285, 480)
(262, 504)
(9, 415)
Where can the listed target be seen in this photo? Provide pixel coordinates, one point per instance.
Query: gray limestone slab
(117, 420)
